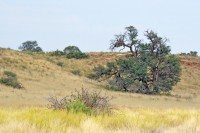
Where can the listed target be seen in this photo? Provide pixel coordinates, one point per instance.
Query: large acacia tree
(150, 68)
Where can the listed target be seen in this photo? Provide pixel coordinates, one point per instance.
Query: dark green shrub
(76, 55)
(193, 53)
(10, 74)
(10, 79)
(10, 82)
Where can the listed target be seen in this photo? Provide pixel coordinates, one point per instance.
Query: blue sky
(91, 24)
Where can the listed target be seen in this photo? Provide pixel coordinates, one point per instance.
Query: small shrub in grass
(92, 76)
(78, 106)
(57, 104)
(94, 101)
(109, 87)
(91, 103)
(10, 82)
(76, 72)
(61, 64)
(10, 79)
(10, 74)
(57, 53)
(76, 55)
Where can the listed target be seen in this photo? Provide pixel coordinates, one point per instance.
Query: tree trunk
(146, 86)
(155, 75)
(131, 49)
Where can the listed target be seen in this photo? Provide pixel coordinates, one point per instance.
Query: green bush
(57, 53)
(193, 53)
(10, 79)
(10, 74)
(71, 49)
(91, 103)
(76, 55)
(88, 102)
(78, 106)
(10, 82)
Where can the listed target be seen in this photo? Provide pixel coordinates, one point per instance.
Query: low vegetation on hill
(42, 75)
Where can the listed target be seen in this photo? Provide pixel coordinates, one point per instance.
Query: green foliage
(88, 102)
(150, 69)
(91, 103)
(169, 74)
(10, 79)
(71, 49)
(57, 53)
(183, 53)
(10, 74)
(30, 46)
(38, 49)
(76, 55)
(10, 82)
(78, 106)
(99, 72)
(193, 53)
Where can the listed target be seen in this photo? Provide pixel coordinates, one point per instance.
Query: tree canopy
(150, 68)
(69, 49)
(30, 46)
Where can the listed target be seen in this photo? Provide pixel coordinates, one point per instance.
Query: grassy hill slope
(42, 76)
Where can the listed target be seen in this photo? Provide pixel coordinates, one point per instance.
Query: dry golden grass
(38, 120)
(42, 77)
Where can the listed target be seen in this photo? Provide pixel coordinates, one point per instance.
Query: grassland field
(26, 110)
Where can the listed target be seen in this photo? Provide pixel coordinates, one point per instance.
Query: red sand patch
(191, 64)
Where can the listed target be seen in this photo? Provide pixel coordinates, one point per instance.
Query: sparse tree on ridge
(127, 40)
(193, 53)
(151, 69)
(71, 49)
(30, 46)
